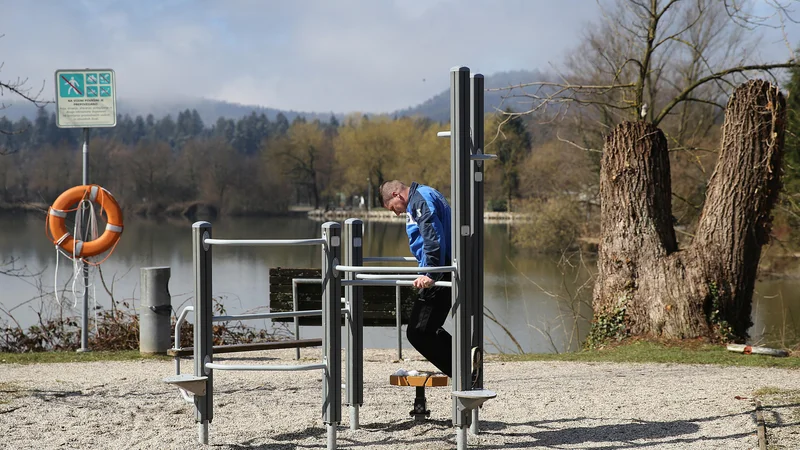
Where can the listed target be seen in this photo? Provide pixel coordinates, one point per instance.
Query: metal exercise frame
(202, 383)
(466, 134)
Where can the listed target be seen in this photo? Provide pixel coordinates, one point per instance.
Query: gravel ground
(547, 405)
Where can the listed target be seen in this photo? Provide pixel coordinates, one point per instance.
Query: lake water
(537, 301)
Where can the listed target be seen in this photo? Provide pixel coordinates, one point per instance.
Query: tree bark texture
(697, 291)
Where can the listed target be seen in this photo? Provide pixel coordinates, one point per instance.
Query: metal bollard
(155, 312)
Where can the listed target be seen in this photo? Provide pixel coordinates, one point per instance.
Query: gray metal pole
(331, 330)
(398, 305)
(354, 255)
(203, 339)
(476, 117)
(85, 224)
(460, 179)
(155, 311)
(295, 307)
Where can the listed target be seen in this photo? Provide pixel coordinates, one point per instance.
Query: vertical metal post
(354, 256)
(398, 308)
(295, 307)
(460, 179)
(203, 340)
(331, 330)
(85, 237)
(476, 117)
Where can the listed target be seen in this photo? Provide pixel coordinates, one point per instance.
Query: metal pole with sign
(86, 98)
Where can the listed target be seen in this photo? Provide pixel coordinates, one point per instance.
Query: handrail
(265, 242)
(389, 259)
(216, 366)
(272, 315)
(390, 283)
(389, 269)
(388, 276)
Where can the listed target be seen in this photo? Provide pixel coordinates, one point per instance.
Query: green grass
(652, 352)
(62, 357)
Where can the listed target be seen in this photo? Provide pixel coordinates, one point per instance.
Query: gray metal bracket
(468, 400)
(191, 383)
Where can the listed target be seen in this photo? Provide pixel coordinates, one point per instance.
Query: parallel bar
(443, 134)
(373, 276)
(483, 157)
(271, 315)
(390, 283)
(388, 269)
(279, 368)
(203, 339)
(390, 259)
(264, 242)
(250, 347)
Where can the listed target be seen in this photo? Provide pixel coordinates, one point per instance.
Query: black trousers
(425, 330)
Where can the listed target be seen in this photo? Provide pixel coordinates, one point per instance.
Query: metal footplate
(472, 399)
(191, 383)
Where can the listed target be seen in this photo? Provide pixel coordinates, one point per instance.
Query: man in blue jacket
(428, 229)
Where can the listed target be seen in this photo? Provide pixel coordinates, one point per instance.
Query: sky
(303, 55)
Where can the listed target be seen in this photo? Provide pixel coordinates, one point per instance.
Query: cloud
(342, 56)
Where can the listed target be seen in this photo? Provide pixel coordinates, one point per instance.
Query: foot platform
(420, 411)
(191, 383)
(474, 398)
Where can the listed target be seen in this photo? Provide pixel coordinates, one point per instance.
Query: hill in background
(436, 108)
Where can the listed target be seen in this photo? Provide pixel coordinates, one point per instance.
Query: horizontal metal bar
(389, 258)
(266, 242)
(388, 269)
(307, 280)
(388, 276)
(443, 134)
(390, 283)
(271, 315)
(482, 157)
(216, 366)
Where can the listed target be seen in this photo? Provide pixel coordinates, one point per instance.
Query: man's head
(394, 196)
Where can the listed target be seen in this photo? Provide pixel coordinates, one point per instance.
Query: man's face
(396, 204)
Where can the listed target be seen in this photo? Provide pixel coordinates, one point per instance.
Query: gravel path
(547, 405)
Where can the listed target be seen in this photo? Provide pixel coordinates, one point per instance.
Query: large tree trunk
(645, 285)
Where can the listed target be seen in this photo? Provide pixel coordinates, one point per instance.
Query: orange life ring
(66, 201)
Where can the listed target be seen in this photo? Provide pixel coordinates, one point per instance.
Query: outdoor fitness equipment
(466, 145)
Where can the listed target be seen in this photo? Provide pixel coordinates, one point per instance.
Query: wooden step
(419, 380)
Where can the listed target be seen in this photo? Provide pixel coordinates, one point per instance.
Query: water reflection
(544, 305)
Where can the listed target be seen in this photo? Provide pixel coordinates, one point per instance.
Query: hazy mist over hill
(436, 108)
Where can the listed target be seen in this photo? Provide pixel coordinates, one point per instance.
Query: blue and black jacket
(428, 228)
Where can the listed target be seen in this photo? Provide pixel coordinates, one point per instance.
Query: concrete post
(156, 310)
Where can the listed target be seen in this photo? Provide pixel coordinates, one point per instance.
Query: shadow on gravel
(617, 436)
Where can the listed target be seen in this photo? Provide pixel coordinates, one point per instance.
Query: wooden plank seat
(420, 410)
(236, 348)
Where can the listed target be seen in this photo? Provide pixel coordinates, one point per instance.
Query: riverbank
(540, 405)
(378, 215)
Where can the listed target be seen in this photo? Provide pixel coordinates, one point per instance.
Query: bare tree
(645, 284)
(652, 60)
(18, 88)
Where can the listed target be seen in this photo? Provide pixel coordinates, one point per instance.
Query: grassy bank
(675, 353)
(634, 352)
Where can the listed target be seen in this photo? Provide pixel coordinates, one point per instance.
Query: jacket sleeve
(430, 228)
